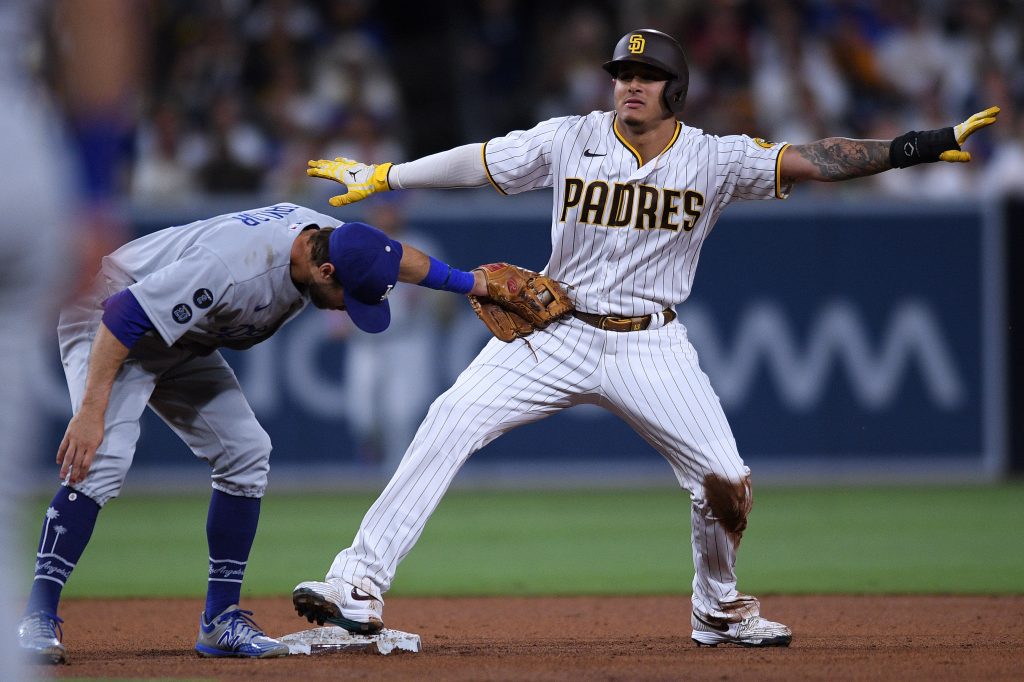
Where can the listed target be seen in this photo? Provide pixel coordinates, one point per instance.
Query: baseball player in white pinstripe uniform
(636, 193)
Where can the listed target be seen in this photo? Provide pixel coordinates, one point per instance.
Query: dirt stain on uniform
(730, 502)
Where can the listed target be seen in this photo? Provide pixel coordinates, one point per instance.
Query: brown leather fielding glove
(518, 301)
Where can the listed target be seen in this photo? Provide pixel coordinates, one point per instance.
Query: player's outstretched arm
(839, 158)
(459, 167)
(419, 268)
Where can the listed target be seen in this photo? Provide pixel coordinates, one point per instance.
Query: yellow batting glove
(360, 179)
(964, 130)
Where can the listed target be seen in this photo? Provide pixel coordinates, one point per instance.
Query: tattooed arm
(839, 158)
(833, 159)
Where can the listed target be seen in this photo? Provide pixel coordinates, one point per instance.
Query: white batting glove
(360, 179)
(964, 130)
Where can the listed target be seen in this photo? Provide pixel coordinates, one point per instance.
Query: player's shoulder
(577, 124)
(253, 241)
(691, 131)
(595, 120)
(745, 141)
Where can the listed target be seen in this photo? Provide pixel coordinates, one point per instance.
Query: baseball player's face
(638, 89)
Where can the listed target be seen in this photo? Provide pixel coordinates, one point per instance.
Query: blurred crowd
(236, 95)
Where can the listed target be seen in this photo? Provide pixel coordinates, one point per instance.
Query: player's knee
(106, 476)
(729, 501)
(243, 470)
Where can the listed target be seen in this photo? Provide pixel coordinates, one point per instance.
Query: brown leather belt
(613, 323)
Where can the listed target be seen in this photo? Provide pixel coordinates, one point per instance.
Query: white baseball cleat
(753, 631)
(339, 603)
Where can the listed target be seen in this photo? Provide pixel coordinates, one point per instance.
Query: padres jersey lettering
(670, 203)
(657, 206)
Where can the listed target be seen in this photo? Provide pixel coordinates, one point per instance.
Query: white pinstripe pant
(651, 379)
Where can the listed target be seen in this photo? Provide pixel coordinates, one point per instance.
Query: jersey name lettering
(645, 207)
(254, 218)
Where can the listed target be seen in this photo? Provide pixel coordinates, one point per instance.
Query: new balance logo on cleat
(234, 634)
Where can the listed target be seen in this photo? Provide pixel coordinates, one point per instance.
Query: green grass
(800, 540)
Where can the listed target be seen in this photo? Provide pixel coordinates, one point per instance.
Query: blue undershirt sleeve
(446, 278)
(125, 318)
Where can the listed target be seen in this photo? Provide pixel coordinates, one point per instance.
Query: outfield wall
(845, 339)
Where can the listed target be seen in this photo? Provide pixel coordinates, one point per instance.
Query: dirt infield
(572, 638)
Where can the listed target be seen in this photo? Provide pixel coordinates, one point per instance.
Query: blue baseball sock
(230, 530)
(68, 525)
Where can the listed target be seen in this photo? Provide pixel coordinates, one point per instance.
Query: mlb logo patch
(203, 298)
(181, 313)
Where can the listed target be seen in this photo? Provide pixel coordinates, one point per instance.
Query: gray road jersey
(221, 282)
(627, 237)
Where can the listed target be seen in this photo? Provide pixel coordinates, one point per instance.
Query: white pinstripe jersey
(627, 237)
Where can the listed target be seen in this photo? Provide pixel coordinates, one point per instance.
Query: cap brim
(370, 318)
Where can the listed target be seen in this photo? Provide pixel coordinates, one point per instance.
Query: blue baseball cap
(366, 264)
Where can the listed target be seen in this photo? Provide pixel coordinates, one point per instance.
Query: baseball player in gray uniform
(149, 334)
(636, 192)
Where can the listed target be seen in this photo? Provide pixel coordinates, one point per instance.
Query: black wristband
(921, 146)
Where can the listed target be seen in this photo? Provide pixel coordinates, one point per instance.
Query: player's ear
(326, 271)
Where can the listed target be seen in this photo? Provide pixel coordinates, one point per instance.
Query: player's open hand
(78, 447)
(361, 179)
(964, 130)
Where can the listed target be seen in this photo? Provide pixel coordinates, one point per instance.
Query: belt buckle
(611, 319)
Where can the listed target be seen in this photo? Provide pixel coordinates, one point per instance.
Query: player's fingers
(970, 126)
(954, 156)
(989, 113)
(82, 465)
(62, 449)
(68, 462)
(975, 122)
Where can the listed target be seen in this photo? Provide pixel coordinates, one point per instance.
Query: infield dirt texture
(574, 638)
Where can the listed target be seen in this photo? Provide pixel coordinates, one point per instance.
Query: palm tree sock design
(230, 529)
(67, 527)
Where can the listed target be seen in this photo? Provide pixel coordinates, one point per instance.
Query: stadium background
(854, 331)
(861, 336)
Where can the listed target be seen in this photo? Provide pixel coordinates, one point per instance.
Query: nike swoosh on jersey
(587, 152)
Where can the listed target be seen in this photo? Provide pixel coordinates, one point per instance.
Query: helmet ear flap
(675, 94)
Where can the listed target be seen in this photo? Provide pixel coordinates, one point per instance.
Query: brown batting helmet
(660, 50)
